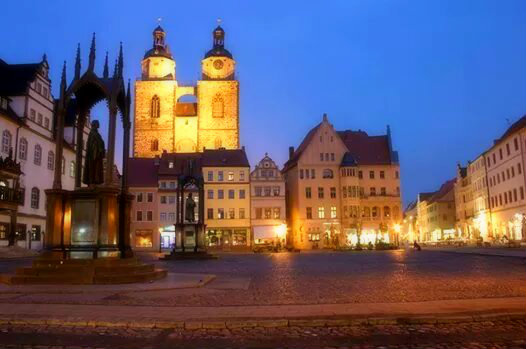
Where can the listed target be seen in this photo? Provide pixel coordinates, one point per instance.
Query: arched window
(155, 145)
(387, 212)
(72, 169)
(63, 165)
(327, 173)
(6, 141)
(37, 159)
(218, 143)
(155, 111)
(50, 160)
(35, 197)
(218, 107)
(374, 212)
(22, 151)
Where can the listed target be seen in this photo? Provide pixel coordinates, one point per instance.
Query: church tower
(154, 121)
(218, 98)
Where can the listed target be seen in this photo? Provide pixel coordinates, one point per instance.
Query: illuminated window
(218, 143)
(268, 213)
(231, 213)
(144, 238)
(321, 212)
(230, 176)
(241, 213)
(72, 169)
(218, 107)
(63, 165)
(387, 211)
(276, 212)
(155, 111)
(333, 212)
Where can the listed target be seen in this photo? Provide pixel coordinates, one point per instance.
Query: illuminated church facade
(165, 122)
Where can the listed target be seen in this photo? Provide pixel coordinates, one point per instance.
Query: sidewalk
(466, 310)
(483, 251)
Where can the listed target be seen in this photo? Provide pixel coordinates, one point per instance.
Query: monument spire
(120, 62)
(91, 65)
(106, 71)
(63, 82)
(77, 63)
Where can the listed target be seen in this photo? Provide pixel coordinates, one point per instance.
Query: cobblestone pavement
(496, 334)
(319, 278)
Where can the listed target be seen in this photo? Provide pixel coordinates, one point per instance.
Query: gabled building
(343, 187)
(268, 209)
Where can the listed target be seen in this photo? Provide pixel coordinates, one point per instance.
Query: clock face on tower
(218, 64)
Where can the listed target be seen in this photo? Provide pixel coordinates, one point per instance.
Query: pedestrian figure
(417, 246)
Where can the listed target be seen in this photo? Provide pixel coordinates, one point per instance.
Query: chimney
(243, 148)
(291, 152)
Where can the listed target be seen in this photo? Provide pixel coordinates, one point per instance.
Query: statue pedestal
(84, 223)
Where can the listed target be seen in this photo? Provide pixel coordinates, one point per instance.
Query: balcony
(10, 196)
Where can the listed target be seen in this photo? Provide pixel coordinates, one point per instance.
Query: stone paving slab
(172, 281)
(483, 251)
(377, 313)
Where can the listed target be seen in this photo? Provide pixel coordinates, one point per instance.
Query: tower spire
(77, 63)
(63, 83)
(106, 72)
(91, 65)
(115, 69)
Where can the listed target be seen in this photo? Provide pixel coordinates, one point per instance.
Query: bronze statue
(95, 153)
(189, 214)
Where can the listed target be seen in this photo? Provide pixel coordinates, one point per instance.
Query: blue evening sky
(446, 75)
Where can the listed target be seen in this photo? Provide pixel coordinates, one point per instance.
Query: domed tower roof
(159, 49)
(218, 49)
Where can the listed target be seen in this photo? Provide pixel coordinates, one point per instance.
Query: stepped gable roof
(517, 125)
(225, 158)
(303, 145)
(15, 78)
(142, 172)
(367, 150)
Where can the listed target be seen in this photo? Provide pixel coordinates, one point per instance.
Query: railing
(10, 195)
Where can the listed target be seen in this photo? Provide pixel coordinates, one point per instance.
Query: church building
(165, 122)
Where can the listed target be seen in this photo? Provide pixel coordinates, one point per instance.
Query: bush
(381, 245)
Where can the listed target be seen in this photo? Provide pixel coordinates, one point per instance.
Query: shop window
(144, 238)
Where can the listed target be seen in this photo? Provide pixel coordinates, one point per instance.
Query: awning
(264, 232)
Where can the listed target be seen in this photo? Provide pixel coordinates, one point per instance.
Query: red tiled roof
(142, 172)
(303, 145)
(445, 193)
(186, 109)
(225, 158)
(366, 150)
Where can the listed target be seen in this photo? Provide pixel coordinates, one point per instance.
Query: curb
(267, 323)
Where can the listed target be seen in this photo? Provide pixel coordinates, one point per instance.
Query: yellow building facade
(164, 118)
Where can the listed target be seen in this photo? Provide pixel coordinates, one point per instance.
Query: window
(72, 169)
(320, 193)
(220, 176)
(210, 213)
(218, 107)
(312, 173)
(37, 159)
(333, 211)
(32, 114)
(163, 185)
(6, 141)
(372, 191)
(170, 163)
(259, 213)
(241, 193)
(387, 211)
(220, 194)
(515, 194)
(371, 174)
(149, 197)
(327, 173)
(307, 173)
(22, 151)
(241, 213)
(231, 213)
(397, 191)
(321, 156)
(301, 173)
(360, 174)
(383, 191)
(155, 145)
(231, 194)
(35, 197)
(268, 213)
(314, 237)
(275, 191)
(309, 212)
(276, 213)
(46, 123)
(139, 216)
(333, 192)
(39, 119)
(63, 165)
(382, 174)
(171, 216)
(171, 199)
(332, 156)
(163, 216)
(258, 191)
(321, 212)
(210, 176)
(326, 156)
(210, 194)
(139, 197)
(267, 191)
(374, 212)
(44, 92)
(241, 176)
(308, 192)
(149, 216)
(155, 110)
(163, 199)
(230, 176)
(521, 191)
(508, 149)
